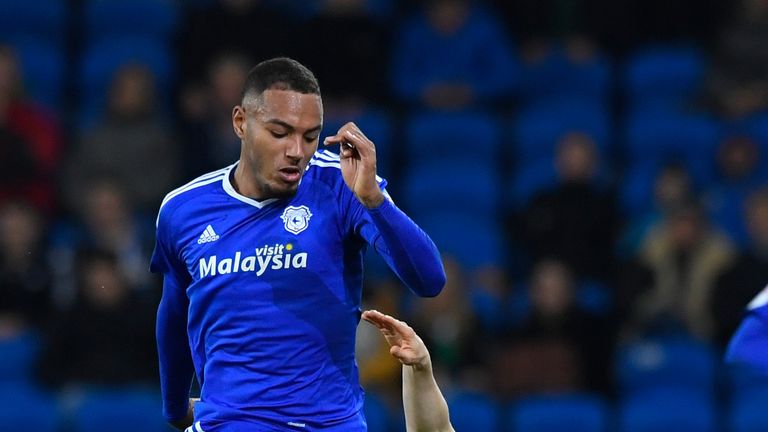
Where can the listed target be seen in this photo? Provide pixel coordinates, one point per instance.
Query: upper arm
(167, 260)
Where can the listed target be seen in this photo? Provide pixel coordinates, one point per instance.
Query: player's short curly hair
(281, 73)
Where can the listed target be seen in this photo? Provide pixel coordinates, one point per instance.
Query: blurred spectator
(738, 79)
(345, 30)
(132, 144)
(106, 222)
(235, 26)
(377, 369)
(576, 221)
(451, 56)
(558, 347)
(573, 68)
(672, 188)
(206, 119)
(30, 144)
(107, 337)
(448, 325)
(739, 173)
(747, 275)
(25, 275)
(685, 255)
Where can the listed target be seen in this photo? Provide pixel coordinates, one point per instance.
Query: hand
(405, 344)
(189, 419)
(358, 164)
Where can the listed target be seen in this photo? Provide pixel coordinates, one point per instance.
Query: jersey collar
(227, 184)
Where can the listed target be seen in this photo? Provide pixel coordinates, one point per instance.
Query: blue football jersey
(271, 291)
(749, 345)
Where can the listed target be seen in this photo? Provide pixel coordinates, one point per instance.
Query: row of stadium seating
(434, 142)
(669, 383)
(129, 409)
(652, 76)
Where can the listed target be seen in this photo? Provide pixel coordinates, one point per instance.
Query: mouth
(290, 174)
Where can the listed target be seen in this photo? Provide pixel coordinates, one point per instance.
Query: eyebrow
(290, 127)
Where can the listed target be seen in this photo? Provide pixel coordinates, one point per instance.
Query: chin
(282, 192)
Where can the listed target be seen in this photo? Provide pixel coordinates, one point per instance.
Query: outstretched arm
(424, 404)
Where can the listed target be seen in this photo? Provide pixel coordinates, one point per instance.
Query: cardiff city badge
(296, 219)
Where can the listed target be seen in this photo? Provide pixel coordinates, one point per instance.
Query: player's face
(279, 136)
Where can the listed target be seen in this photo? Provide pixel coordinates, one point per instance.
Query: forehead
(297, 109)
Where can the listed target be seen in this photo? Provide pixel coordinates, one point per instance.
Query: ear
(238, 121)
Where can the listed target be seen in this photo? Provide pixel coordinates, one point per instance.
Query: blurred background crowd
(593, 171)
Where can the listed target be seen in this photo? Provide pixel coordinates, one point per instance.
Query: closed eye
(278, 135)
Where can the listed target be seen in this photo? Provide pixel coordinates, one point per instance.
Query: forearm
(408, 250)
(424, 404)
(176, 367)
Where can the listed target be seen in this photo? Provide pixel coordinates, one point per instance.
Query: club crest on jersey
(296, 219)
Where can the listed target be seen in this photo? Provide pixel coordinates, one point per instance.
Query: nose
(295, 149)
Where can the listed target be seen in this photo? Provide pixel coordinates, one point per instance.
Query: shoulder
(185, 194)
(325, 166)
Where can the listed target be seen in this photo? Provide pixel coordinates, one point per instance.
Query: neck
(244, 184)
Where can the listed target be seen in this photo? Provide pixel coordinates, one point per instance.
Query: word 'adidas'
(209, 235)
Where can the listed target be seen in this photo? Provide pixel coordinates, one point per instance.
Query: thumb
(395, 351)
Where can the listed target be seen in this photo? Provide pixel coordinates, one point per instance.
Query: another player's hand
(405, 344)
(358, 164)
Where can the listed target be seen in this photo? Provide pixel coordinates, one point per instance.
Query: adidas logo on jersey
(276, 257)
(209, 235)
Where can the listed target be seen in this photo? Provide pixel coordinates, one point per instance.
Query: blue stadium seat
(489, 311)
(660, 136)
(748, 411)
(663, 75)
(43, 69)
(472, 186)
(110, 18)
(674, 362)
(27, 408)
(475, 240)
(556, 413)
(120, 409)
(539, 127)
(452, 136)
(377, 126)
(473, 412)
(557, 76)
(668, 410)
(36, 18)
(726, 205)
(19, 358)
(637, 188)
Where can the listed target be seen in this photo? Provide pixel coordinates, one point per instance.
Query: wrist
(373, 200)
(423, 365)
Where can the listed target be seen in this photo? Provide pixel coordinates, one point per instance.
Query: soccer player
(749, 345)
(424, 404)
(263, 265)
